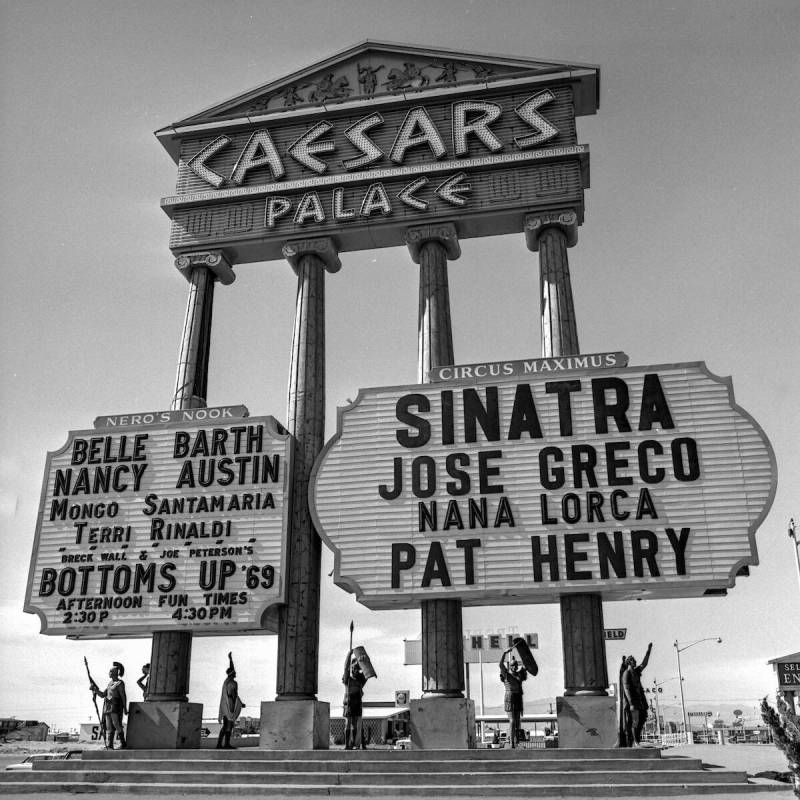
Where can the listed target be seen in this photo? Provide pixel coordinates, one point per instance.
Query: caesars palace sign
(372, 142)
(505, 482)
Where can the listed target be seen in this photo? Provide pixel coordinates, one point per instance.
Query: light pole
(655, 700)
(793, 536)
(483, 710)
(656, 688)
(678, 651)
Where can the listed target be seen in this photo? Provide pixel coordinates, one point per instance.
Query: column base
(442, 723)
(295, 725)
(587, 721)
(164, 725)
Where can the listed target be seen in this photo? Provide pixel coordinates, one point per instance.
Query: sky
(688, 252)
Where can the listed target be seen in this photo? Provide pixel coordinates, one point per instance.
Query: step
(388, 774)
(371, 766)
(409, 755)
(389, 792)
(405, 779)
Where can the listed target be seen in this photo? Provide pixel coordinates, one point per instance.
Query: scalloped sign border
(172, 520)
(638, 482)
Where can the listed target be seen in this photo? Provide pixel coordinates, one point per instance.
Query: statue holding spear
(115, 705)
(357, 671)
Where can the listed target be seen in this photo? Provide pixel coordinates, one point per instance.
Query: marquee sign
(168, 520)
(375, 140)
(788, 675)
(630, 482)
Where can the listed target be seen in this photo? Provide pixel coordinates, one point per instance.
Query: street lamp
(793, 536)
(678, 650)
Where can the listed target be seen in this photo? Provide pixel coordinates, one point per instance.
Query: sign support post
(585, 671)
(452, 723)
(296, 719)
(167, 719)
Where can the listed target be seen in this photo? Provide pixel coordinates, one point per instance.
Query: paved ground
(752, 759)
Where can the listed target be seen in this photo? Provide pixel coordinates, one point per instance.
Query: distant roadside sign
(617, 634)
(478, 648)
(789, 675)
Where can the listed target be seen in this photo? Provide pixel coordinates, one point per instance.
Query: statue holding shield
(512, 674)
(357, 671)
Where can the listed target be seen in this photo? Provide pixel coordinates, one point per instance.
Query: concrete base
(442, 723)
(587, 721)
(164, 725)
(295, 725)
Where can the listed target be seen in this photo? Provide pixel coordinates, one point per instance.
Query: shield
(360, 654)
(525, 656)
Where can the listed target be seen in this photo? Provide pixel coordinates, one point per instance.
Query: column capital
(565, 220)
(443, 232)
(322, 247)
(215, 260)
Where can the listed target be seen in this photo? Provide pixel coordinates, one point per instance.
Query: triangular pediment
(375, 69)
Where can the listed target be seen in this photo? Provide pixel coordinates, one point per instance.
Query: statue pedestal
(587, 721)
(442, 723)
(295, 725)
(164, 725)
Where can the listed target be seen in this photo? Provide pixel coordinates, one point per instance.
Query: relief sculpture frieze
(361, 79)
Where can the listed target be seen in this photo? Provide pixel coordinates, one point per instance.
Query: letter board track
(645, 482)
(171, 520)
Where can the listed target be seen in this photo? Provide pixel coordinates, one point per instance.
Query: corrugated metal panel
(720, 507)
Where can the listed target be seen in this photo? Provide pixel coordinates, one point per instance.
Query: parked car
(403, 744)
(491, 738)
(28, 762)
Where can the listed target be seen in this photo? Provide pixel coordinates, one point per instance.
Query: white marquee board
(630, 482)
(170, 520)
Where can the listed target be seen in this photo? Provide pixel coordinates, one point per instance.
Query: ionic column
(551, 233)
(202, 270)
(298, 620)
(171, 651)
(442, 641)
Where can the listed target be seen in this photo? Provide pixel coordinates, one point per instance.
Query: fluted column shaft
(585, 670)
(171, 651)
(551, 233)
(442, 648)
(559, 329)
(298, 620)
(442, 638)
(191, 382)
(435, 331)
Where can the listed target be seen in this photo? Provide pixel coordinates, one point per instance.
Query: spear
(93, 686)
(351, 635)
